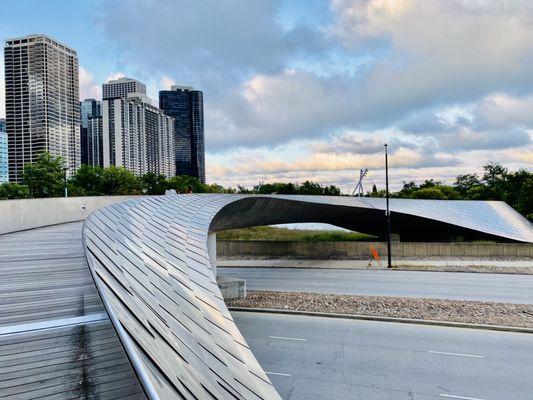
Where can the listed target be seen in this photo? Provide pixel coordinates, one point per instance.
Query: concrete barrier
(361, 250)
(19, 215)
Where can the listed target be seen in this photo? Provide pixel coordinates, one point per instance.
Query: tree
(13, 191)
(429, 193)
(45, 176)
(119, 181)
(86, 181)
(464, 183)
(154, 184)
(182, 183)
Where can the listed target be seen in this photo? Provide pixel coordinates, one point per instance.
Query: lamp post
(387, 213)
(65, 190)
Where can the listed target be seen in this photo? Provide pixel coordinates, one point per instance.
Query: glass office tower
(89, 108)
(186, 106)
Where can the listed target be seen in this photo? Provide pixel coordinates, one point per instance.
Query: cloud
(447, 84)
(204, 41)
(88, 88)
(114, 76)
(166, 82)
(412, 57)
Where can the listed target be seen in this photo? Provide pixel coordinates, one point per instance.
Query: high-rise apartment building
(121, 87)
(137, 136)
(95, 144)
(42, 102)
(186, 106)
(89, 108)
(4, 176)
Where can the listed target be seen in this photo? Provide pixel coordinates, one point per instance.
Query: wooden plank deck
(56, 340)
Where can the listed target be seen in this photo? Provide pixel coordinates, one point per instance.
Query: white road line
(459, 397)
(277, 373)
(456, 354)
(288, 338)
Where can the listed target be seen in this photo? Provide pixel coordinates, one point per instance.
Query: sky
(313, 89)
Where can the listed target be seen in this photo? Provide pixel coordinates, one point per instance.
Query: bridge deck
(56, 340)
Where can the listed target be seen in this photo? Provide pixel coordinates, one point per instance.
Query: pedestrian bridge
(153, 264)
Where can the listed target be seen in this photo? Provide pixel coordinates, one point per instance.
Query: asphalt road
(311, 358)
(503, 288)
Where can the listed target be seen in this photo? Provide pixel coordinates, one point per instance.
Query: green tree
(154, 184)
(86, 181)
(182, 183)
(310, 188)
(44, 177)
(13, 191)
(524, 203)
(429, 193)
(464, 183)
(119, 181)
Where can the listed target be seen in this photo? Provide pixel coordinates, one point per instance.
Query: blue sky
(311, 89)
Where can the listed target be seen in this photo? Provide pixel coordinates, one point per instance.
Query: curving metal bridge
(151, 261)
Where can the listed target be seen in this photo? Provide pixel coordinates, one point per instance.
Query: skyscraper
(42, 102)
(89, 108)
(95, 144)
(121, 87)
(186, 106)
(137, 135)
(4, 176)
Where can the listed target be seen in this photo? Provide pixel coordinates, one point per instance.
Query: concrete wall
(361, 250)
(18, 215)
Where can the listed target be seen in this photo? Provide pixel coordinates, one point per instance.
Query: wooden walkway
(56, 341)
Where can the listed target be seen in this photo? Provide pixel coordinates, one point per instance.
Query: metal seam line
(456, 354)
(287, 338)
(52, 324)
(451, 396)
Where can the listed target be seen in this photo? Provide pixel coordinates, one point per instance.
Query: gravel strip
(486, 269)
(475, 312)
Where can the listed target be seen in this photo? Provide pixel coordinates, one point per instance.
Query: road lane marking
(277, 373)
(288, 338)
(459, 397)
(456, 354)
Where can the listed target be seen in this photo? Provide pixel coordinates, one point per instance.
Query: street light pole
(65, 191)
(389, 255)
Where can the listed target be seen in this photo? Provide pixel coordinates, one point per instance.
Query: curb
(501, 328)
(394, 268)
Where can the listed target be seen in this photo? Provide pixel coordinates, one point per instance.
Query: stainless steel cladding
(149, 258)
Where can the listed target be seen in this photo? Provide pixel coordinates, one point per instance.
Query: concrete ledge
(23, 214)
(361, 250)
(388, 319)
(231, 288)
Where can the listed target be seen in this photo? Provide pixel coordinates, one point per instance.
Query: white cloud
(166, 82)
(115, 75)
(447, 84)
(88, 88)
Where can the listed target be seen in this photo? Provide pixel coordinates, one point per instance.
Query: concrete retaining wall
(361, 250)
(18, 215)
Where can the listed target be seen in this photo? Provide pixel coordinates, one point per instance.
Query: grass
(284, 234)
